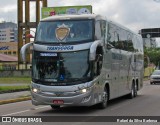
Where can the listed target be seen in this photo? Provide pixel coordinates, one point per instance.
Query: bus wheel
(103, 104)
(133, 91)
(55, 106)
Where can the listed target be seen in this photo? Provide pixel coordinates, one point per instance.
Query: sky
(134, 14)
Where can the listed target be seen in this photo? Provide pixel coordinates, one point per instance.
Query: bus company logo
(6, 119)
(62, 32)
(58, 94)
(60, 48)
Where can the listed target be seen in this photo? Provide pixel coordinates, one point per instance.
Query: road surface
(147, 103)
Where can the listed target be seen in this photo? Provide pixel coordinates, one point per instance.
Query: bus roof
(85, 16)
(124, 27)
(68, 17)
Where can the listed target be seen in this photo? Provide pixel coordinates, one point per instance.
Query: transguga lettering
(58, 48)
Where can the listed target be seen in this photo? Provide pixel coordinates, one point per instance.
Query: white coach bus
(83, 60)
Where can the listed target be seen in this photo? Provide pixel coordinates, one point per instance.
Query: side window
(113, 36)
(110, 35)
(122, 39)
(103, 29)
(140, 43)
(130, 42)
(135, 43)
(98, 62)
(98, 30)
(116, 39)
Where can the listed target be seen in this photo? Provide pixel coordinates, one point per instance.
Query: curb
(15, 100)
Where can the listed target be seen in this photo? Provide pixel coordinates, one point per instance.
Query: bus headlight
(35, 90)
(84, 90)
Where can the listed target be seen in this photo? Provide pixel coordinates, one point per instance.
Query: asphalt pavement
(13, 95)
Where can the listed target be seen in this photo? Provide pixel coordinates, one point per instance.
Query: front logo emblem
(62, 32)
(58, 94)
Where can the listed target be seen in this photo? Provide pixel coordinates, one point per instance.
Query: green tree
(153, 54)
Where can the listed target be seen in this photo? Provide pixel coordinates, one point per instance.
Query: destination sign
(48, 54)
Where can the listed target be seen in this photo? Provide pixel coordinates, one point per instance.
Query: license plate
(58, 101)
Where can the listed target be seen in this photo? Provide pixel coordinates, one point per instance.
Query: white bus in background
(84, 60)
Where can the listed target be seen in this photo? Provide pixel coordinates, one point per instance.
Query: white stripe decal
(62, 48)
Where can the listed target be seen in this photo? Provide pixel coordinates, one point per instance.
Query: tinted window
(65, 31)
(157, 72)
(61, 67)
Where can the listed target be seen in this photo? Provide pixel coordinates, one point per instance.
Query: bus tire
(103, 104)
(55, 106)
(133, 91)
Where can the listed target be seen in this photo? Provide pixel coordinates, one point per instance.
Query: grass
(10, 80)
(13, 88)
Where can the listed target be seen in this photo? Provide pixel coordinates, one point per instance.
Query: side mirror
(23, 50)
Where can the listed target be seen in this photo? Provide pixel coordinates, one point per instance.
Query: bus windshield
(61, 67)
(64, 31)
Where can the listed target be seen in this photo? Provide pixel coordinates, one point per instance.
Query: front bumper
(78, 100)
(154, 80)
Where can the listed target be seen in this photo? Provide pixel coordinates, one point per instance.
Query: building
(8, 32)
(9, 48)
(8, 38)
(150, 42)
(150, 36)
